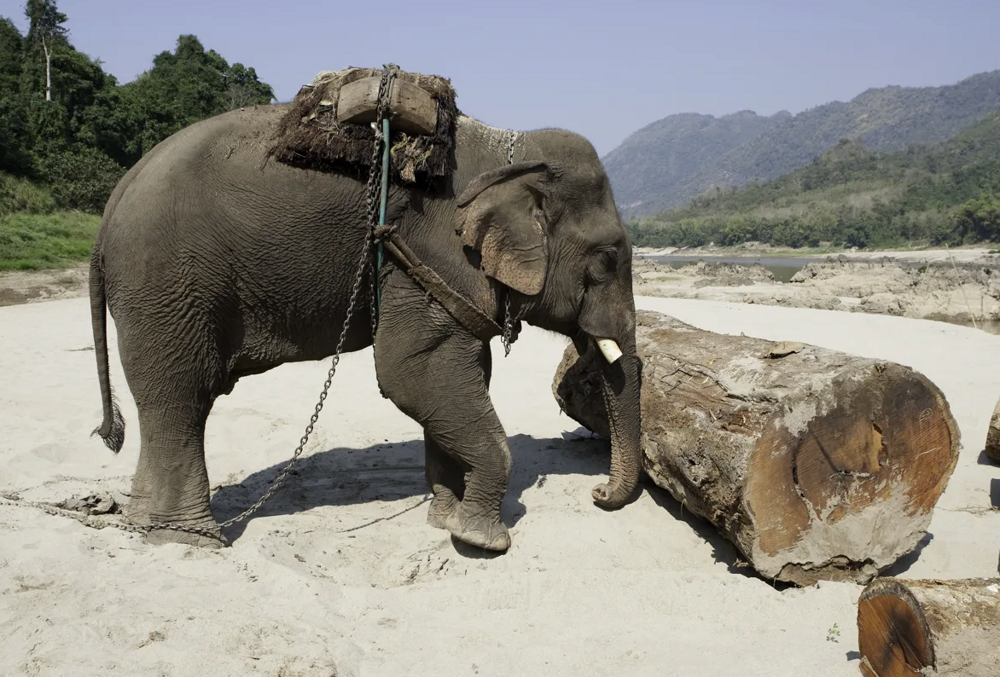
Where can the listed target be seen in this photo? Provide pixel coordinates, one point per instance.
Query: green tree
(13, 113)
(978, 220)
(68, 125)
(191, 84)
(244, 88)
(45, 34)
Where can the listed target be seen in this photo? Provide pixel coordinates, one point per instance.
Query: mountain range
(667, 163)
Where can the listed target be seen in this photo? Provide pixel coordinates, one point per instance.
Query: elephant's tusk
(610, 350)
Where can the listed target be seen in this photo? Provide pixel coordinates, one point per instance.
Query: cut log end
(883, 446)
(918, 627)
(893, 637)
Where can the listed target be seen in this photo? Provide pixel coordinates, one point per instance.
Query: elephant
(216, 264)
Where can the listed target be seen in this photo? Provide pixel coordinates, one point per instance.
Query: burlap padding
(310, 137)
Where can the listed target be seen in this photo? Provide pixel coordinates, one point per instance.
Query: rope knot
(384, 231)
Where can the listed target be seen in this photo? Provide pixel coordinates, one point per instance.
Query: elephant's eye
(604, 265)
(608, 259)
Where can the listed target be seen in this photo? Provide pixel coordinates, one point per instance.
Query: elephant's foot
(211, 542)
(483, 532)
(137, 509)
(212, 537)
(137, 512)
(441, 508)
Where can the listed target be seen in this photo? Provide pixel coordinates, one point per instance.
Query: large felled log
(816, 464)
(993, 435)
(930, 627)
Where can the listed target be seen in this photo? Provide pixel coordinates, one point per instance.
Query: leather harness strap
(472, 318)
(462, 309)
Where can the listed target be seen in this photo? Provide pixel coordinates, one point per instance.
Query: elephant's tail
(112, 429)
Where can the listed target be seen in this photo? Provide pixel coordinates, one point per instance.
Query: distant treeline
(69, 131)
(945, 193)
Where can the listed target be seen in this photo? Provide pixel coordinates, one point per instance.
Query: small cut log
(413, 111)
(816, 464)
(929, 627)
(993, 435)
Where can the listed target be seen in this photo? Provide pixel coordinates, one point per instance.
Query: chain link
(388, 75)
(364, 263)
(508, 323)
(507, 326)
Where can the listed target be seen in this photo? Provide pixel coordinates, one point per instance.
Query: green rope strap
(382, 208)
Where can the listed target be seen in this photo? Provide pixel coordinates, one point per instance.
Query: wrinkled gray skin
(216, 265)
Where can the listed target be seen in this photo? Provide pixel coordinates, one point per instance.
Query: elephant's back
(217, 168)
(211, 194)
(201, 150)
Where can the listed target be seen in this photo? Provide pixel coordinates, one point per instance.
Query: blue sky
(603, 69)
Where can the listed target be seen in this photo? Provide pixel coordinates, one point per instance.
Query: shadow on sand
(392, 472)
(983, 459)
(903, 564)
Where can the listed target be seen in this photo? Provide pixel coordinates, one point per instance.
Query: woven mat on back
(309, 135)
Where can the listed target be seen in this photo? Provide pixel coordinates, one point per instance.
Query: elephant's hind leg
(173, 453)
(170, 382)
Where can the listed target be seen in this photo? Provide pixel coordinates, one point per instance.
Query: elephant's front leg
(434, 372)
(445, 479)
(445, 475)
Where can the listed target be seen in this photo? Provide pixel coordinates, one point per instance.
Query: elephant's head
(547, 228)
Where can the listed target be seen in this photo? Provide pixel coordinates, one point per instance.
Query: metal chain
(87, 520)
(388, 74)
(507, 322)
(507, 327)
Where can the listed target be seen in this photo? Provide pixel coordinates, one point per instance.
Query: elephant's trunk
(621, 386)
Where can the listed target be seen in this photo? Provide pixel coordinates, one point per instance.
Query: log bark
(993, 435)
(816, 464)
(930, 627)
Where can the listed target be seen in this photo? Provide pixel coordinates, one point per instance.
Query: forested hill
(66, 140)
(942, 193)
(654, 165)
(647, 178)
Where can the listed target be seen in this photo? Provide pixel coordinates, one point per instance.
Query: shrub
(20, 195)
(80, 179)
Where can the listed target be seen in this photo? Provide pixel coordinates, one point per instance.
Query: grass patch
(46, 241)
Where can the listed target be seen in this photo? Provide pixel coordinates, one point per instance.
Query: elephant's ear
(501, 215)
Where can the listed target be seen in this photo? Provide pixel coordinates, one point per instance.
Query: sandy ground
(43, 285)
(963, 292)
(339, 575)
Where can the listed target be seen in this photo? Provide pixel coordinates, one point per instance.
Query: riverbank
(753, 250)
(26, 286)
(961, 287)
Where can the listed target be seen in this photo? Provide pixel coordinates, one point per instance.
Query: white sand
(340, 574)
